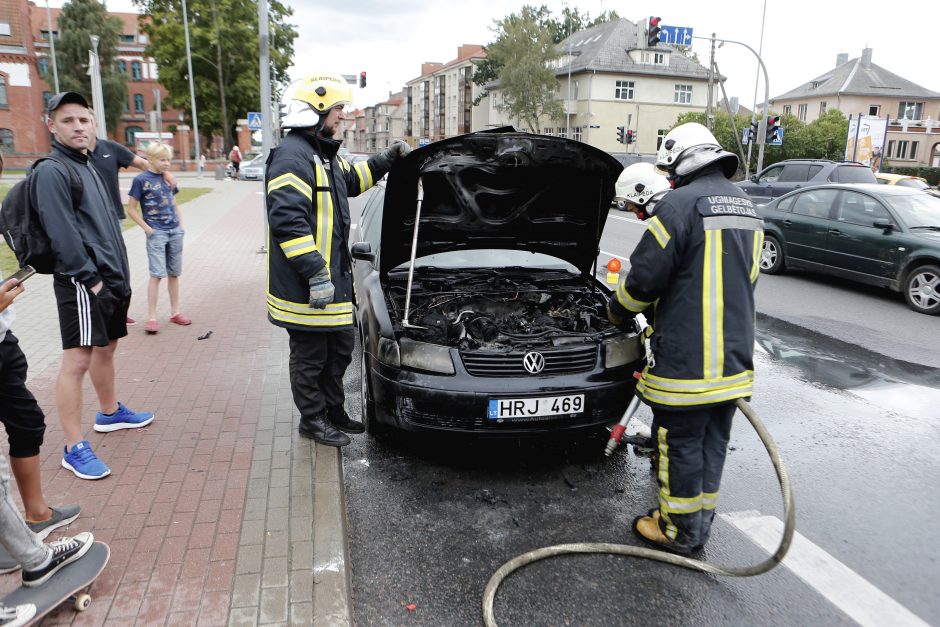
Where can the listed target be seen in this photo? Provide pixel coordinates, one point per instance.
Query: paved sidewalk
(217, 513)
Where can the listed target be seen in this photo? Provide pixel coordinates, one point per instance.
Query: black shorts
(19, 412)
(86, 319)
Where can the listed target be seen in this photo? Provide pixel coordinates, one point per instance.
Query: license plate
(530, 408)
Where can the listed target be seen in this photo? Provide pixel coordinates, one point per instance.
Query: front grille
(557, 361)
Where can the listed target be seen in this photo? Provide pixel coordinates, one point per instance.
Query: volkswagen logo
(533, 362)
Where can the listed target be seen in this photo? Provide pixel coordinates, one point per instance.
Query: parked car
(876, 234)
(914, 182)
(502, 328)
(230, 171)
(784, 177)
(252, 170)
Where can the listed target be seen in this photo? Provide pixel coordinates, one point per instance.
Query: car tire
(771, 258)
(922, 289)
(372, 425)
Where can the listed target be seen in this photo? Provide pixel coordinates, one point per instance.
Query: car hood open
(500, 189)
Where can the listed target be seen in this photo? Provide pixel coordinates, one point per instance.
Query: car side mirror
(362, 251)
(884, 223)
(753, 178)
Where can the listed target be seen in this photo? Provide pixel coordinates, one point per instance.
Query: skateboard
(69, 584)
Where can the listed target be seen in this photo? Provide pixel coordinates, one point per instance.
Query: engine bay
(496, 309)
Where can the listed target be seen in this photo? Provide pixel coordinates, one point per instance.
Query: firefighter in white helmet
(640, 186)
(310, 288)
(698, 261)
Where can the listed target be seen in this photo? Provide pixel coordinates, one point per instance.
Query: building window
(801, 112)
(46, 96)
(138, 103)
(122, 67)
(5, 29)
(549, 131)
(575, 91)
(3, 92)
(624, 90)
(128, 39)
(874, 110)
(43, 64)
(891, 143)
(902, 149)
(44, 35)
(130, 133)
(127, 106)
(910, 110)
(136, 73)
(822, 108)
(913, 150)
(787, 109)
(6, 140)
(660, 136)
(683, 94)
(659, 58)
(576, 133)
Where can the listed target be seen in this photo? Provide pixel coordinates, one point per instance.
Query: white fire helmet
(641, 185)
(688, 148)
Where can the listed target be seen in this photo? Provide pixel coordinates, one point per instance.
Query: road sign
(777, 139)
(745, 137)
(254, 120)
(676, 35)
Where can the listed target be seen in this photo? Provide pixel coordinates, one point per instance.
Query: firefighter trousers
(318, 361)
(692, 446)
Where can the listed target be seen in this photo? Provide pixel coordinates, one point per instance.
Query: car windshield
(915, 209)
(915, 183)
(493, 258)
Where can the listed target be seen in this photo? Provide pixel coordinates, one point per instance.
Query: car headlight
(427, 357)
(389, 353)
(621, 350)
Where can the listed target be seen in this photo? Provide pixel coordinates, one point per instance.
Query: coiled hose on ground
(489, 593)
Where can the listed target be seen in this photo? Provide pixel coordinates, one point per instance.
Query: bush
(932, 175)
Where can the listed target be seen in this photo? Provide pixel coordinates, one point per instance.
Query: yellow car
(903, 180)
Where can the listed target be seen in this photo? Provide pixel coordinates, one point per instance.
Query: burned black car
(487, 317)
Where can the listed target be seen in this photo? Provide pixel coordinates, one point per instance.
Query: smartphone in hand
(22, 274)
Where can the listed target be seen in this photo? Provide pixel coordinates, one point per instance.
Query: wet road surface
(430, 520)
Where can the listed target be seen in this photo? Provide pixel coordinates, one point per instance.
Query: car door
(806, 229)
(855, 244)
(761, 187)
(793, 177)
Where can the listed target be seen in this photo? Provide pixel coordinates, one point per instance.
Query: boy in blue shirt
(161, 221)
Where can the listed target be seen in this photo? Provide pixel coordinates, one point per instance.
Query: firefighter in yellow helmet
(698, 261)
(310, 288)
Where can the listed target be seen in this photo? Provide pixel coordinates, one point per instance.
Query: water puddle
(893, 384)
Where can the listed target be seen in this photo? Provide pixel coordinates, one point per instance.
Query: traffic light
(631, 137)
(620, 134)
(652, 32)
(752, 133)
(362, 79)
(773, 129)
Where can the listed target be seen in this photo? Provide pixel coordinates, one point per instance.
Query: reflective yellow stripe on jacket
(685, 392)
(334, 315)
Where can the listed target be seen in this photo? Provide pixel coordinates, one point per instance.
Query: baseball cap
(65, 97)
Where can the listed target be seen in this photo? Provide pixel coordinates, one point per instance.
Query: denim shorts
(165, 252)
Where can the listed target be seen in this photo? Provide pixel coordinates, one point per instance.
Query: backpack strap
(75, 181)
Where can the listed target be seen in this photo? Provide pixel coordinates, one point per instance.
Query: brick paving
(209, 511)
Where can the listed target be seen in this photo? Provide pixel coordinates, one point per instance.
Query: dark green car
(881, 235)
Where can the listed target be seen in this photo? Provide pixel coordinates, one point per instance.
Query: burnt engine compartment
(500, 310)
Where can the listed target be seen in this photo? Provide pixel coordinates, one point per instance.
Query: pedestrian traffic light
(752, 133)
(620, 135)
(773, 129)
(631, 137)
(362, 79)
(652, 32)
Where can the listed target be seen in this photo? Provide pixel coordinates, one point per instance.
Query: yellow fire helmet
(316, 94)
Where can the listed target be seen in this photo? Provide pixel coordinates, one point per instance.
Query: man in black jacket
(310, 289)
(90, 281)
(698, 261)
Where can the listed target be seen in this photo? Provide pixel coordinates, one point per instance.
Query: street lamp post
(97, 97)
(192, 89)
(55, 66)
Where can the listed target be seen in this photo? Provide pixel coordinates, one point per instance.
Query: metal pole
(266, 117)
(568, 100)
(711, 75)
(97, 96)
(192, 90)
(747, 164)
(55, 66)
(156, 98)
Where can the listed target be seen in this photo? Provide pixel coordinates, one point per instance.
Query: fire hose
(489, 593)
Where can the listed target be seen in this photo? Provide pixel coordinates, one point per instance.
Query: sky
(390, 39)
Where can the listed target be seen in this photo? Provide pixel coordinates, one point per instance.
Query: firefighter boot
(647, 529)
(320, 430)
(341, 420)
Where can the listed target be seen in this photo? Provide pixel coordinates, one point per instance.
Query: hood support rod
(411, 266)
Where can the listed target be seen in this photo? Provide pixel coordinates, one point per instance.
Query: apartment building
(860, 87)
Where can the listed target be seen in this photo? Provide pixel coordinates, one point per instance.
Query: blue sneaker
(123, 418)
(82, 461)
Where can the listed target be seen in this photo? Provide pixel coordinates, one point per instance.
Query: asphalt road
(431, 520)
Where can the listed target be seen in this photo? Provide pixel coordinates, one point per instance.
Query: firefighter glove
(321, 289)
(396, 150)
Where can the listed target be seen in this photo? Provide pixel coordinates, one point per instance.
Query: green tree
(79, 20)
(224, 43)
(571, 21)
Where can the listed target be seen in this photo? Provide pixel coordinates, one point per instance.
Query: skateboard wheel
(82, 602)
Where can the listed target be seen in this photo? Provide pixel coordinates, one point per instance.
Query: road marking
(634, 220)
(850, 592)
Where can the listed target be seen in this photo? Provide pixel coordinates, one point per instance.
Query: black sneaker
(61, 516)
(64, 551)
